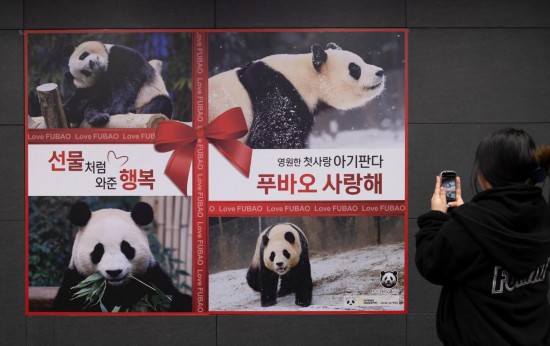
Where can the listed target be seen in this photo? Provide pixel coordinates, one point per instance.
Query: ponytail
(542, 155)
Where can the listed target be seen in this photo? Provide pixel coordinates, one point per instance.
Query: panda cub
(281, 93)
(113, 79)
(110, 242)
(281, 252)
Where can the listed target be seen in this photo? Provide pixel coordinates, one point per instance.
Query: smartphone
(448, 181)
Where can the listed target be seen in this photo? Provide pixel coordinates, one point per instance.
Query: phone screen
(448, 181)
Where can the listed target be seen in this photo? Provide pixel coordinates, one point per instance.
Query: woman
(492, 255)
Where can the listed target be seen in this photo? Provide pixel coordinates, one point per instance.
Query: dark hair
(506, 157)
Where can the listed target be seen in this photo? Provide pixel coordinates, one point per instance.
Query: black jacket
(492, 257)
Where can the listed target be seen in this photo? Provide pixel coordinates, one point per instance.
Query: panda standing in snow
(110, 242)
(113, 79)
(280, 94)
(281, 252)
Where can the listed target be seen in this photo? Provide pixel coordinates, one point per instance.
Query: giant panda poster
(216, 171)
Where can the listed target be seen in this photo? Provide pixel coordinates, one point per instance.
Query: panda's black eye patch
(97, 254)
(272, 256)
(127, 250)
(83, 56)
(86, 73)
(354, 70)
(286, 254)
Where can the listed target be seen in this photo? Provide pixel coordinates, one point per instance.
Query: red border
(211, 30)
(327, 312)
(305, 208)
(406, 279)
(200, 173)
(26, 124)
(405, 32)
(343, 30)
(106, 31)
(90, 136)
(194, 31)
(79, 131)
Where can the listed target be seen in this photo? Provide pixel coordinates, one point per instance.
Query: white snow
(335, 278)
(371, 138)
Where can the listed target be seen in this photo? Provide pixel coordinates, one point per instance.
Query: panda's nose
(279, 264)
(379, 73)
(92, 63)
(114, 273)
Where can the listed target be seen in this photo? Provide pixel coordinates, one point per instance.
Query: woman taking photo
(492, 254)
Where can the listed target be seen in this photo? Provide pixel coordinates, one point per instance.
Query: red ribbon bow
(223, 132)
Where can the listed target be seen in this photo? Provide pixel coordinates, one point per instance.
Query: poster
(274, 164)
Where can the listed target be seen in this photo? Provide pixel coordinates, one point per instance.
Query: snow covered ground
(336, 278)
(371, 138)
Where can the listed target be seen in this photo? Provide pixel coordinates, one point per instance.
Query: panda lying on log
(110, 242)
(113, 79)
(280, 94)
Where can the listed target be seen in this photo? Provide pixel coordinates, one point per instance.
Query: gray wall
(475, 66)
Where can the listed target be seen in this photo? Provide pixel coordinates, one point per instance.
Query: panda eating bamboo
(111, 246)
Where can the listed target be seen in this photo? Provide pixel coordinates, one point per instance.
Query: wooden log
(41, 298)
(51, 106)
(131, 120)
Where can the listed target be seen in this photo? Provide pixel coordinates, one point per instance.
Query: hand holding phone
(448, 181)
(447, 193)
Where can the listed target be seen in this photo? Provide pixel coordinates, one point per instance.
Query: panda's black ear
(265, 240)
(395, 274)
(290, 237)
(80, 214)
(319, 56)
(142, 214)
(68, 49)
(333, 45)
(382, 273)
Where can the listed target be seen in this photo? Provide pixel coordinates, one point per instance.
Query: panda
(281, 251)
(388, 279)
(280, 94)
(149, 91)
(113, 79)
(110, 242)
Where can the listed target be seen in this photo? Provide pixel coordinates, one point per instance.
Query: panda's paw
(98, 119)
(303, 303)
(265, 304)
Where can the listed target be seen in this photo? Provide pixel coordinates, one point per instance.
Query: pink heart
(112, 156)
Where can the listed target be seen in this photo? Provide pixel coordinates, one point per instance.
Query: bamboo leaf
(91, 289)
(155, 300)
(81, 293)
(89, 280)
(162, 295)
(103, 308)
(93, 277)
(184, 285)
